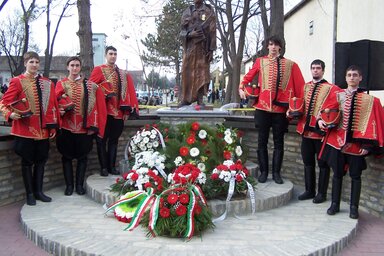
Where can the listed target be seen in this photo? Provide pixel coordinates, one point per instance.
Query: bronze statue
(198, 34)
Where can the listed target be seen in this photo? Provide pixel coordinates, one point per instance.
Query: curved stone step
(76, 225)
(268, 195)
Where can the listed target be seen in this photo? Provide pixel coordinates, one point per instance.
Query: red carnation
(220, 135)
(181, 210)
(117, 180)
(165, 212)
(147, 126)
(184, 198)
(147, 185)
(214, 176)
(166, 130)
(227, 155)
(172, 198)
(125, 175)
(183, 151)
(246, 172)
(160, 187)
(195, 126)
(154, 125)
(240, 133)
(204, 142)
(135, 176)
(190, 140)
(239, 178)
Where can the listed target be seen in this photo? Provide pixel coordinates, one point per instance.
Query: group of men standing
(339, 127)
(77, 110)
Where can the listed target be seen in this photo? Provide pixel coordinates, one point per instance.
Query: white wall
(302, 47)
(359, 20)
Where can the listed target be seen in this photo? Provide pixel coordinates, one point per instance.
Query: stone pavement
(77, 220)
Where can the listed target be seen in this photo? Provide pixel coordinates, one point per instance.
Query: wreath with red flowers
(181, 211)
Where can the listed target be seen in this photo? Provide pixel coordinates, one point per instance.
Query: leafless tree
(232, 18)
(85, 35)
(2, 4)
(51, 42)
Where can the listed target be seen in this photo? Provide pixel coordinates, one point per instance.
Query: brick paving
(13, 242)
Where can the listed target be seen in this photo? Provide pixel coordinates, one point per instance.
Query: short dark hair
(72, 59)
(354, 68)
(318, 62)
(276, 40)
(30, 55)
(110, 48)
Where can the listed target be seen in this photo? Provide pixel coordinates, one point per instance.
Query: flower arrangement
(229, 146)
(125, 211)
(180, 211)
(187, 173)
(148, 171)
(219, 181)
(192, 144)
(146, 139)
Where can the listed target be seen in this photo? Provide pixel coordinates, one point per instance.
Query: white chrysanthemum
(215, 171)
(239, 151)
(170, 177)
(202, 178)
(155, 144)
(143, 133)
(146, 140)
(178, 160)
(228, 163)
(194, 152)
(153, 132)
(202, 134)
(201, 166)
(227, 132)
(228, 139)
(152, 136)
(149, 145)
(151, 163)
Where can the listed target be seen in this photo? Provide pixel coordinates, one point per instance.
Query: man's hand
(322, 124)
(242, 94)
(52, 133)
(62, 111)
(15, 116)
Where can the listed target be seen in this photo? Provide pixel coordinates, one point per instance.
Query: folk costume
(34, 95)
(317, 96)
(195, 70)
(278, 80)
(360, 130)
(87, 117)
(120, 96)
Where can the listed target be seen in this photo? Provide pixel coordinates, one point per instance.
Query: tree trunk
(277, 21)
(85, 36)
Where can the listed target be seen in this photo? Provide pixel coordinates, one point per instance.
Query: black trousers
(113, 130)
(341, 163)
(32, 152)
(265, 121)
(310, 149)
(74, 145)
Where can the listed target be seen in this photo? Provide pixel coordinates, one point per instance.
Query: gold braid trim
(363, 106)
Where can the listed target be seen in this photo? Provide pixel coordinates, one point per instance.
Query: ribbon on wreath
(231, 190)
(194, 193)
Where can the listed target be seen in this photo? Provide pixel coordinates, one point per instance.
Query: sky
(124, 22)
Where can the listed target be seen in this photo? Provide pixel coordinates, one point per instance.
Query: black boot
(26, 171)
(39, 180)
(277, 160)
(310, 183)
(355, 198)
(323, 186)
(80, 174)
(102, 155)
(112, 152)
(336, 196)
(68, 175)
(262, 156)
